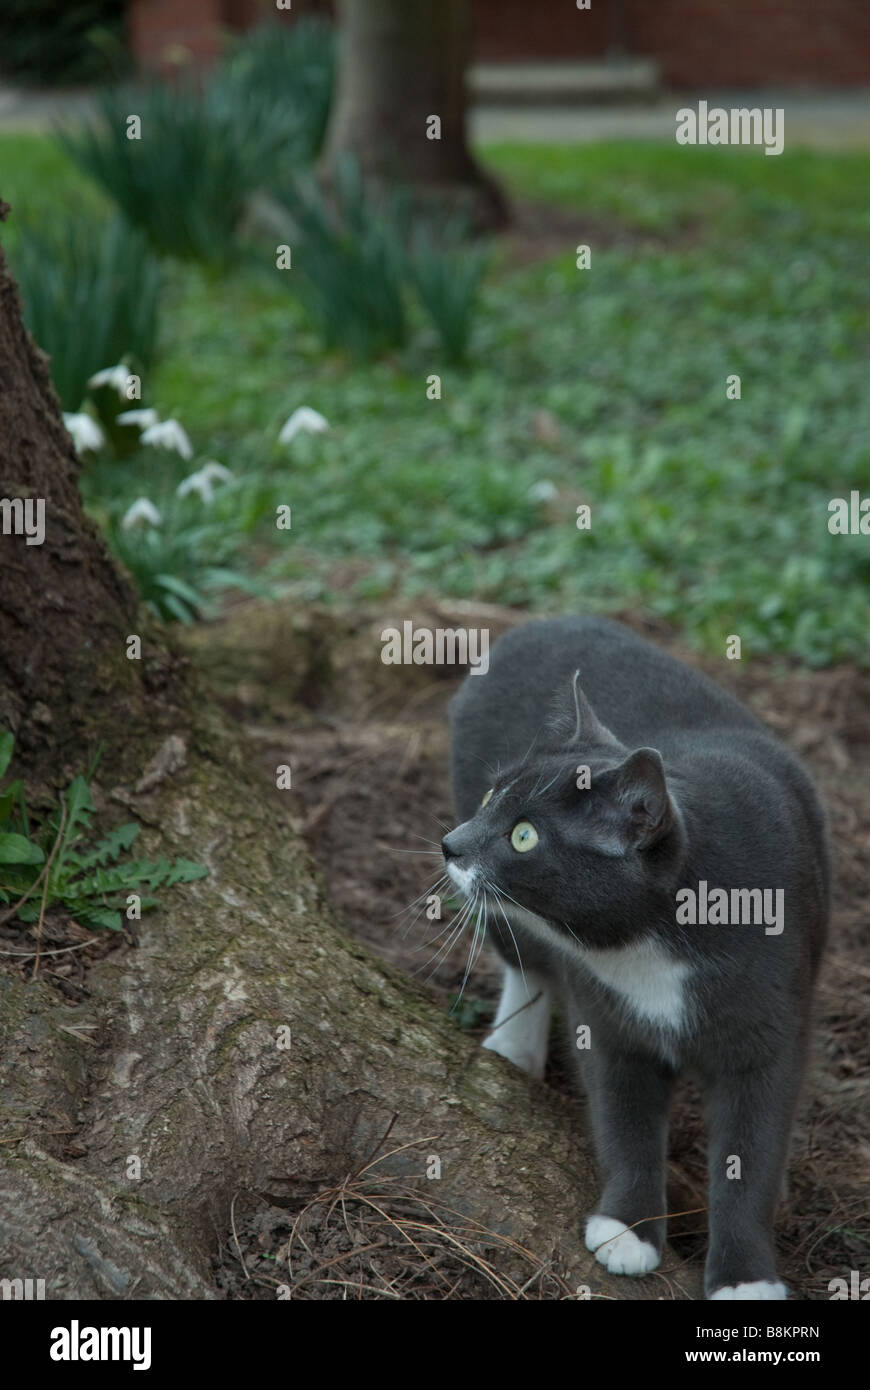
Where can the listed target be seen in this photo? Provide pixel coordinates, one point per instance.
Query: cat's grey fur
(686, 785)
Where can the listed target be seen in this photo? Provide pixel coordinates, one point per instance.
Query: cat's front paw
(528, 1057)
(618, 1248)
(758, 1289)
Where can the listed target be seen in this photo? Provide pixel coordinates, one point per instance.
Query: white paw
(618, 1248)
(762, 1288)
(530, 1060)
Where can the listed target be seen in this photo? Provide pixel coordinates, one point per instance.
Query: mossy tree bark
(401, 64)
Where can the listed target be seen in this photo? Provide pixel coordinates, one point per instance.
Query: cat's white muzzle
(465, 879)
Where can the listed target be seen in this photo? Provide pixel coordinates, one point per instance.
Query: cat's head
(586, 836)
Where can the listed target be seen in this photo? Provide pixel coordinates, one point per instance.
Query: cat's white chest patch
(649, 980)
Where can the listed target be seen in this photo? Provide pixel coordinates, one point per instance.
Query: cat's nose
(448, 850)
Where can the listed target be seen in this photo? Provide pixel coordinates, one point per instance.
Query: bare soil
(372, 782)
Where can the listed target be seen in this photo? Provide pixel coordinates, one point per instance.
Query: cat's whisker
(444, 950)
(458, 928)
(487, 766)
(432, 939)
(396, 849)
(472, 954)
(448, 926)
(420, 904)
(503, 892)
(441, 955)
(497, 893)
(534, 790)
(426, 841)
(483, 933)
(571, 933)
(530, 747)
(545, 789)
(427, 893)
(434, 891)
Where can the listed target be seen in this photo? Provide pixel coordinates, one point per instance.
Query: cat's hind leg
(521, 1028)
(749, 1114)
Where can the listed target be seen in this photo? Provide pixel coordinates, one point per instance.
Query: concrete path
(836, 121)
(832, 121)
(23, 109)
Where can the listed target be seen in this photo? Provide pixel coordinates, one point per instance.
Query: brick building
(708, 43)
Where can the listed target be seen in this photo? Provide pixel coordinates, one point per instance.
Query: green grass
(40, 183)
(712, 513)
(660, 188)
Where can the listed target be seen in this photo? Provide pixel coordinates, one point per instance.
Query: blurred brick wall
(756, 42)
(698, 43)
(706, 43)
(158, 30)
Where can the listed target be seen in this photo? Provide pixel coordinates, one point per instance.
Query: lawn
(604, 387)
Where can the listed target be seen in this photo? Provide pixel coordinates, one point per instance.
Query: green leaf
(8, 799)
(78, 809)
(110, 847)
(185, 871)
(178, 609)
(179, 587)
(96, 917)
(14, 849)
(17, 878)
(114, 879)
(7, 743)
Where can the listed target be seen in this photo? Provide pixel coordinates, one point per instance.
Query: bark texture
(65, 610)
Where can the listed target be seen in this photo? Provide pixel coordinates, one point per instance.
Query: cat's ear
(588, 728)
(640, 790)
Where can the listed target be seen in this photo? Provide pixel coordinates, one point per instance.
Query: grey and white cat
(583, 878)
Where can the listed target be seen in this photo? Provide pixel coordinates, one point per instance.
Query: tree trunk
(65, 611)
(400, 65)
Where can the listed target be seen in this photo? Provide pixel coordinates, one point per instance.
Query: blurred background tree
(400, 65)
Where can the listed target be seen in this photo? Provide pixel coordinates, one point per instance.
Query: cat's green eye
(487, 796)
(524, 836)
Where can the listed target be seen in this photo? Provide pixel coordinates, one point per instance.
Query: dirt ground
(372, 781)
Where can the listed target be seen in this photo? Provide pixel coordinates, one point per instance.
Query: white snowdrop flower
(86, 433)
(203, 480)
(302, 419)
(543, 491)
(112, 376)
(142, 510)
(143, 418)
(168, 434)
